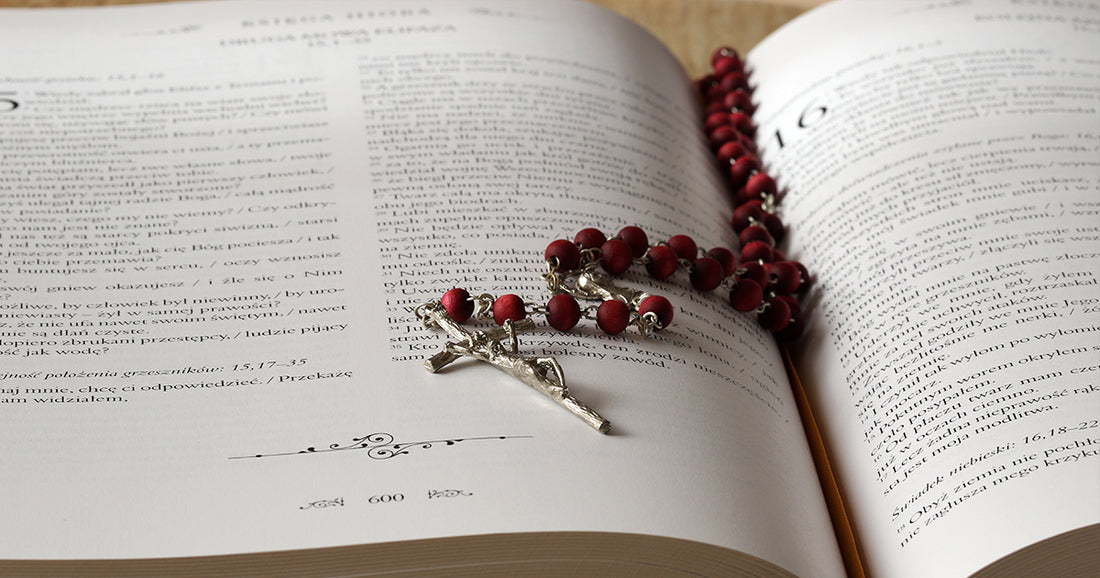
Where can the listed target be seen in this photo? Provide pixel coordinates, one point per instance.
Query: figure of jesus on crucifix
(544, 374)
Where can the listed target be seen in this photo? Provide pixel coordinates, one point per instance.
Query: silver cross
(544, 374)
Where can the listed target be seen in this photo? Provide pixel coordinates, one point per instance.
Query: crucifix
(544, 374)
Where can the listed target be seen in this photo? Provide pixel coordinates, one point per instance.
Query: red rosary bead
(563, 312)
(757, 251)
(726, 258)
(662, 262)
(713, 121)
(748, 214)
(706, 274)
(743, 196)
(723, 52)
(684, 247)
(726, 64)
(776, 315)
(755, 233)
(796, 325)
(775, 226)
(613, 316)
(508, 307)
(714, 107)
(738, 99)
(615, 256)
(792, 305)
(759, 185)
(567, 255)
(730, 152)
(793, 331)
(458, 304)
(731, 81)
(721, 136)
(589, 238)
(754, 271)
(660, 307)
(742, 123)
(636, 238)
(783, 277)
(741, 169)
(748, 143)
(714, 93)
(745, 295)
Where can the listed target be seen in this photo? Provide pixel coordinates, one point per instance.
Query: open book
(217, 221)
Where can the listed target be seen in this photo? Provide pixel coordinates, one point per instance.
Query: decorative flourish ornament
(758, 280)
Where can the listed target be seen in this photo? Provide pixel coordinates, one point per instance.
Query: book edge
(1072, 553)
(564, 553)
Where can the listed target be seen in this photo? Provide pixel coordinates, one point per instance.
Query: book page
(940, 162)
(218, 220)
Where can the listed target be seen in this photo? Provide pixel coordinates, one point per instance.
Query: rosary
(759, 280)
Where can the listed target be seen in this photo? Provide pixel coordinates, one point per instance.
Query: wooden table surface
(691, 29)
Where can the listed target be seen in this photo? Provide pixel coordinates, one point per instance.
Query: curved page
(941, 165)
(220, 218)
